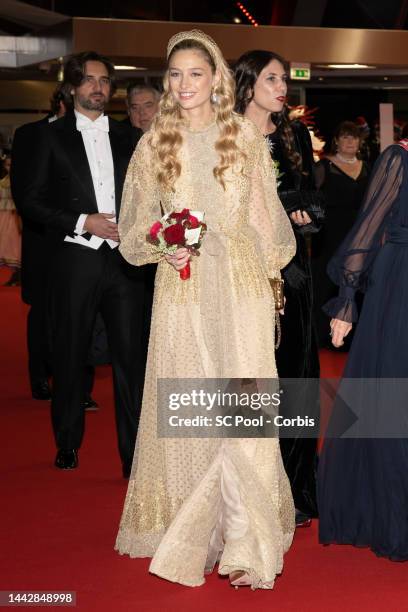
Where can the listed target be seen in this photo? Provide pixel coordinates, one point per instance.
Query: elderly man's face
(142, 108)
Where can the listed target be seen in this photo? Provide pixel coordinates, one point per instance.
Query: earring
(215, 98)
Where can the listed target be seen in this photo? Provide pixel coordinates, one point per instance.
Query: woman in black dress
(363, 476)
(342, 177)
(261, 82)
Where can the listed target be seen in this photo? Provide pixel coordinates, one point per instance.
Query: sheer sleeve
(267, 216)
(140, 207)
(350, 266)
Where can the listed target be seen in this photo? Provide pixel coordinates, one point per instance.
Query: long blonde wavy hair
(166, 137)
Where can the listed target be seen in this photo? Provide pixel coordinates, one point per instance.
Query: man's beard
(93, 105)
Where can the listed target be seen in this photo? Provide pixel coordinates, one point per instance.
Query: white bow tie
(101, 123)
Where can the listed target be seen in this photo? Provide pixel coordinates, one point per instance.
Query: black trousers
(34, 291)
(85, 281)
(38, 341)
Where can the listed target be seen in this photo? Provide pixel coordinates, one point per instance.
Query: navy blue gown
(363, 482)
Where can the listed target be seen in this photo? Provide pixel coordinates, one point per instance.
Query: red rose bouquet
(175, 230)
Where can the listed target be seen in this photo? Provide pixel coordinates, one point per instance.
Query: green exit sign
(300, 72)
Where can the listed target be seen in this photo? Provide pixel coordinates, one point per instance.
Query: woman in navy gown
(363, 479)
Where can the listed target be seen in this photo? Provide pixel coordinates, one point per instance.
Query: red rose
(174, 234)
(155, 229)
(193, 221)
(180, 216)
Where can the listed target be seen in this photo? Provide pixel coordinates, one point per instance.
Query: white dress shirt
(95, 135)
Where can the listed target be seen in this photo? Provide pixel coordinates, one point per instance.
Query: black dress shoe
(41, 390)
(66, 459)
(89, 404)
(126, 469)
(14, 280)
(302, 519)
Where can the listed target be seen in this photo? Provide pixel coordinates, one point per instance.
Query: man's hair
(136, 88)
(74, 70)
(62, 93)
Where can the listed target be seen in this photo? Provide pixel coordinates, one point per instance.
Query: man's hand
(300, 217)
(99, 224)
(339, 330)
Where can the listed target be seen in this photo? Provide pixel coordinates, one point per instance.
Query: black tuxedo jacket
(33, 252)
(59, 185)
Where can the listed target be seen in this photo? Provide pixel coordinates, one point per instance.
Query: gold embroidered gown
(10, 227)
(192, 502)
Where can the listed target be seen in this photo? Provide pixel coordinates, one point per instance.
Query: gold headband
(200, 37)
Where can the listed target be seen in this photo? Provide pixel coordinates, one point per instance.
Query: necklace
(345, 160)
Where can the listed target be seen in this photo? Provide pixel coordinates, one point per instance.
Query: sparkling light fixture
(247, 14)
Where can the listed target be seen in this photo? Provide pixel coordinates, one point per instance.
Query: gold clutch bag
(279, 299)
(277, 290)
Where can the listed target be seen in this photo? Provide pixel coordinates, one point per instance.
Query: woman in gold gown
(10, 227)
(194, 502)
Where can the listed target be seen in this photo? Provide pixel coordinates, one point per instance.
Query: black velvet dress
(297, 356)
(343, 198)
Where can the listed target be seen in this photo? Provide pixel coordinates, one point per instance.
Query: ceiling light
(347, 66)
(247, 14)
(124, 67)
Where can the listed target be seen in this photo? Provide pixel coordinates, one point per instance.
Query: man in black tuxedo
(35, 259)
(75, 189)
(34, 265)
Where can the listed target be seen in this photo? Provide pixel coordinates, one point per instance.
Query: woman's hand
(339, 330)
(282, 311)
(179, 259)
(300, 217)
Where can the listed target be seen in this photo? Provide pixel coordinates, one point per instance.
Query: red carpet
(58, 528)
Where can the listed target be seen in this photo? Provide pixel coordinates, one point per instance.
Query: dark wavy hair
(246, 71)
(74, 70)
(62, 93)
